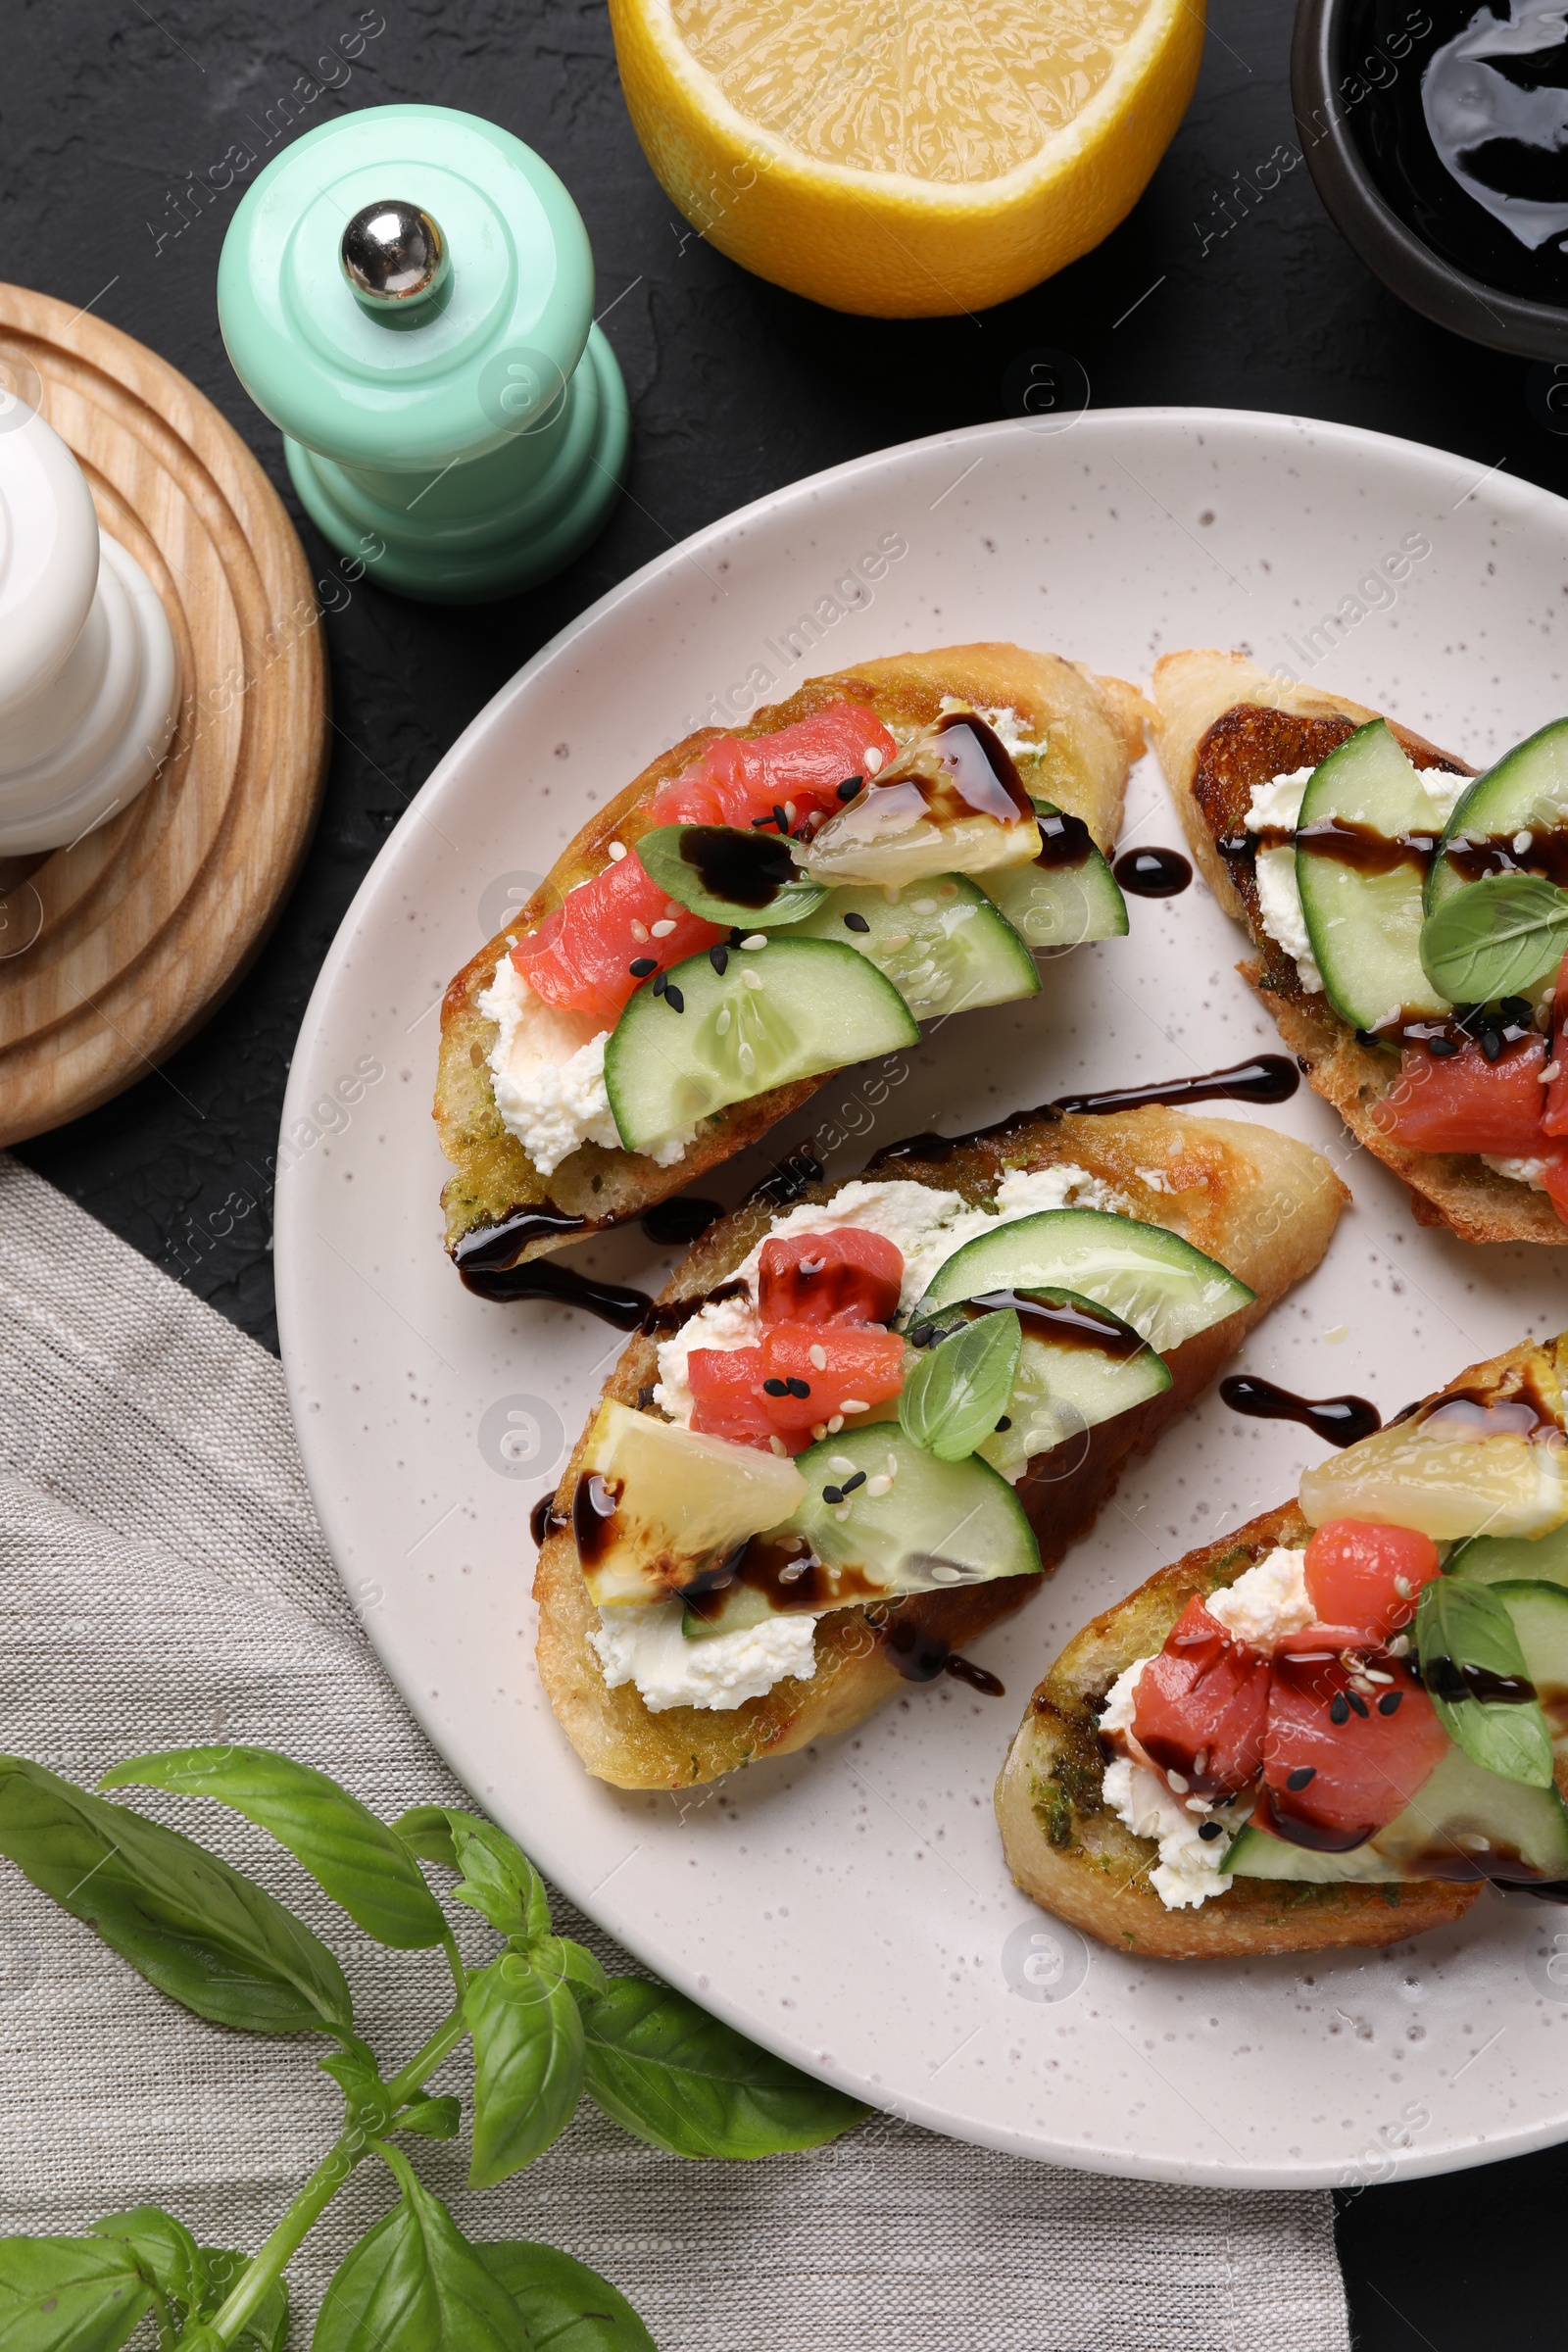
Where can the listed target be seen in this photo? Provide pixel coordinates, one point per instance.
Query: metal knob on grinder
(407, 293)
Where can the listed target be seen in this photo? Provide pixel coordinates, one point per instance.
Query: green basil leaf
(1459, 1624)
(355, 2071)
(266, 2329)
(68, 2294)
(567, 2307)
(527, 2064)
(959, 1390)
(674, 856)
(678, 2078)
(431, 2119)
(498, 1879)
(414, 2283)
(1498, 938)
(164, 2248)
(352, 1857)
(426, 1831)
(202, 1933)
(558, 1956)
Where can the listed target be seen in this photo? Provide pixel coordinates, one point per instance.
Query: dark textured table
(125, 139)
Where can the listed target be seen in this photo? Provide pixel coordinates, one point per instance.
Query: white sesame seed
(754, 980)
(835, 1422)
(840, 1461)
(873, 760)
(778, 1444)
(1475, 1842)
(1200, 1804)
(639, 932)
(1400, 1646)
(842, 1513)
(854, 1404)
(1200, 1762)
(755, 939)
(618, 851)
(1401, 1586)
(1521, 842)
(789, 810)
(818, 1432)
(1554, 1069)
(943, 1573)
(878, 1484)
(1178, 1782)
(661, 930)
(819, 1355)
(1375, 1674)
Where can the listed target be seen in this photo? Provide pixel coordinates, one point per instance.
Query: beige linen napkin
(164, 1583)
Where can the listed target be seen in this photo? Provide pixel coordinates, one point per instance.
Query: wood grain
(114, 951)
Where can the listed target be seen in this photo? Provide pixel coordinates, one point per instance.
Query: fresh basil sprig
(1459, 1624)
(959, 1390)
(674, 856)
(1498, 938)
(545, 2020)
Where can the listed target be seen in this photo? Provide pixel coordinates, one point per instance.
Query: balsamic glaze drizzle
(1342, 1420)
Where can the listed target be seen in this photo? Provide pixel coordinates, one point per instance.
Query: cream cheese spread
(645, 1646)
(548, 1065)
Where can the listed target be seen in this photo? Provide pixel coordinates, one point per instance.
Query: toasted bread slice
(1222, 726)
(1066, 1848)
(1260, 1202)
(1094, 730)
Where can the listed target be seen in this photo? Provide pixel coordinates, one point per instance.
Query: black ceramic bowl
(1356, 68)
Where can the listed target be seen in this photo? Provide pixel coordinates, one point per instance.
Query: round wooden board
(115, 949)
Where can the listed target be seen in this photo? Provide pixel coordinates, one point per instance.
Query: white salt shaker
(89, 684)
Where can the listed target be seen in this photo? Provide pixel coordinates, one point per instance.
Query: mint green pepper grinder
(407, 292)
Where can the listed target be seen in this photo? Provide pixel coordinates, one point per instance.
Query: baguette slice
(1095, 731)
(1077, 1859)
(1260, 1202)
(1222, 726)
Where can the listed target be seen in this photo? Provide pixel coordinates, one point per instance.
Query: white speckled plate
(850, 1907)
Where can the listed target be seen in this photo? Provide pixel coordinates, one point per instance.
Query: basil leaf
(431, 2119)
(355, 2071)
(68, 2294)
(1495, 939)
(266, 2329)
(678, 2078)
(558, 1956)
(426, 1831)
(498, 1879)
(527, 2064)
(959, 1390)
(565, 2306)
(1460, 1623)
(757, 864)
(164, 2249)
(352, 1857)
(414, 2283)
(202, 1933)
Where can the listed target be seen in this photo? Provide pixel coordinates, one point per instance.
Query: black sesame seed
(1388, 1703)
(1442, 1046)
(856, 923)
(673, 997)
(921, 1335)
(1301, 1776)
(1006, 1422)
(832, 1493)
(775, 1388)
(1491, 1045)
(779, 818)
(1358, 1703)
(1516, 1009)
(1339, 1708)
(797, 1388)
(849, 787)
(1211, 1829)
(719, 958)
(661, 984)
(641, 965)
(850, 1484)
(759, 822)
(736, 935)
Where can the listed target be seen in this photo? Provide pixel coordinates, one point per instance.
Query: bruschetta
(1345, 844)
(857, 1428)
(756, 910)
(1335, 1725)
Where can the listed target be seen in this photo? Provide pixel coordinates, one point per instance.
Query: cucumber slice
(1527, 792)
(1065, 1386)
(1526, 1833)
(1149, 1277)
(939, 1524)
(1366, 925)
(774, 1014)
(1537, 1559)
(1069, 894)
(1539, 1613)
(941, 942)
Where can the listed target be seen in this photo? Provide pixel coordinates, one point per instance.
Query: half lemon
(906, 158)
